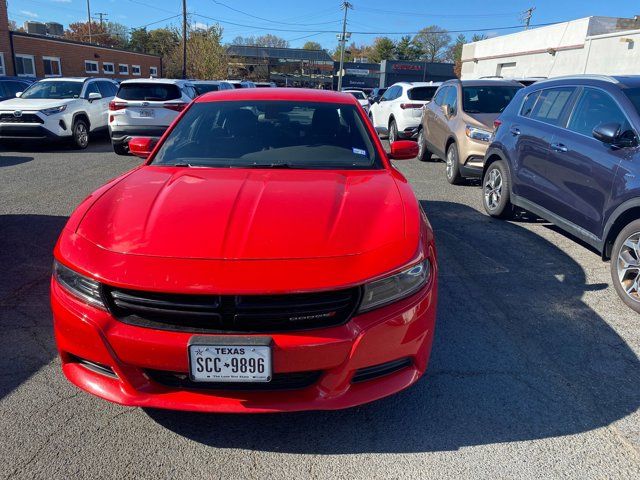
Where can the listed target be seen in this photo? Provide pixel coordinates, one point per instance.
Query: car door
(539, 119)
(381, 115)
(581, 168)
(94, 108)
(438, 121)
(108, 91)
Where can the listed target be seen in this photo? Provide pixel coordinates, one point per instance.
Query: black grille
(280, 381)
(24, 118)
(377, 371)
(233, 313)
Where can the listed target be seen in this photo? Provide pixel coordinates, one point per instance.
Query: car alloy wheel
(629, 266)
(493, 189)
(421, 144)
(451, 158)
(81, 134)
(393, 132)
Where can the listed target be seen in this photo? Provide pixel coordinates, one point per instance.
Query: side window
(105, 89)
(12, 88)
(529, 103)
(398, 92)
(595, 107)
(451, 98)
(552, 104)
(92, 87)
(190, 91)
(439, 97)
(388, 95)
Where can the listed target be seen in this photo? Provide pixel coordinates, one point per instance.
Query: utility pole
(102, 16)
(89, 19)
(345, 6)
(184, 38)
(527, 17)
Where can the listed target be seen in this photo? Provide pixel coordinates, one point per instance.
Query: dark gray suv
(567, 150)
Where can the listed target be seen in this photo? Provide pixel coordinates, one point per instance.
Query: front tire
(393, 132)
(424, 155)
(496, 191)
(453, 165)
(625, 265)
(80, 134)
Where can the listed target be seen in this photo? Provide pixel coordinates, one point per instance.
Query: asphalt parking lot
(534, 371)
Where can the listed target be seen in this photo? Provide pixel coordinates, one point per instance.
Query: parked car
(375, 95)
(568, 151)
(241, 83)
(9, 86)
(360, 96)
(206, 86)
(265, 84)
(65, 108)
(458, 124)
(400, 108)
(222, 276)
(146, 107)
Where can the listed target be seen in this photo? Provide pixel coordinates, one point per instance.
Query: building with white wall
(598, 45)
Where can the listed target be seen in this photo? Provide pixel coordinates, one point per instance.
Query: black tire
(496, 191)
(424, 155)
(120, 148)
(393, 131)
(80, 134)
(453, 165)
(625, 265)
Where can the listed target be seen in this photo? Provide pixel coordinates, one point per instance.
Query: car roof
(279, 94)
(166, 81)
(416, 84)
(622, 81)
(71, 79)
(487, 82)
(209, 82)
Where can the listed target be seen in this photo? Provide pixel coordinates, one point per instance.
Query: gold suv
(458, 124)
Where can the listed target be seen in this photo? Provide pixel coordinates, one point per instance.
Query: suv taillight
(496, 123)
(410, 105)
(113, 105)
(176, 107)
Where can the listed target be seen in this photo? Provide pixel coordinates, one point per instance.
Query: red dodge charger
(265, 257)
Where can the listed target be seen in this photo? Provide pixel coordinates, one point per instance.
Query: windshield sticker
(359, 151)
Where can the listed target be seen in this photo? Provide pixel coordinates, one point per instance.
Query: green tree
(433, 42)
(456, 54)
(206, 57)
(79, 31)
(312, 46)
(119, 32)
(139, 40)
(383, 48)
(407, 50)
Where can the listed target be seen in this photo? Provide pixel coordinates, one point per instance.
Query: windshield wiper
(267, 165)
(181, 165)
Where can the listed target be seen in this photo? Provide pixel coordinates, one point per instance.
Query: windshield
(206, 87)
(359, 95)
(53, 90)
(270, 134)
(488, 98)
(424, 94)
(634, 96)
(150, 92)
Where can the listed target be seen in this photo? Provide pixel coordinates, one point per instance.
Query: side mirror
(18, 94)
(446, 109)
(94, 96)
(611, 134)
(384, 131)
(404, 150)
(142, 146)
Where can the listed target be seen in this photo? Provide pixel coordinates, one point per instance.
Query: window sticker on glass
(359, 151)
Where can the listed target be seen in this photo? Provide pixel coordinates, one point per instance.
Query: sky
(301, 20)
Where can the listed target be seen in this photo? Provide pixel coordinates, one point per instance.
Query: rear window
(487, 99)
(206, 88)
(424, 94)
(270, 134)
(149, 92)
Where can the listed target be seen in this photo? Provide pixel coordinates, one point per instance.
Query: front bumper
(403, 330)
(26, 132)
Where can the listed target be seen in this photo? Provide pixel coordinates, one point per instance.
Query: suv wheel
(393, 132)
(453, 165)
(625, 265)
(496, 191)
(424, 155)
(120, 148)
(80, 134)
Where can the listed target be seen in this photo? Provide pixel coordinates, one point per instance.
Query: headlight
(78, 285)
(476, 133)
(54, 110)
(395, 287)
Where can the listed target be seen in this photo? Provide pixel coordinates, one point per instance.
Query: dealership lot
(534, 370)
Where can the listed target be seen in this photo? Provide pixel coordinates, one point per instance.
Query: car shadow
(98, 143)
(10, 160)
(518, 356)
(26, 334)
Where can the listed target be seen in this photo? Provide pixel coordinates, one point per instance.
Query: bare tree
(433, 42)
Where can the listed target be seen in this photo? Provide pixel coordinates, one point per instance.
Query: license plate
(229, 359)
(146, 113)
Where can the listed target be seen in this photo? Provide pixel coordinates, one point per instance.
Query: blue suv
(567, 150)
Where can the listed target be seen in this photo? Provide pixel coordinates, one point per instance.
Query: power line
(442, 15)
(527, 14)
(270, 20)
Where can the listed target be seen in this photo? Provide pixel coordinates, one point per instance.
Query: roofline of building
(551, 51)
(75, 42)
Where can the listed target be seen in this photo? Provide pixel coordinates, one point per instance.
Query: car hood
(208, 213)
(28, 104)
(483, 120)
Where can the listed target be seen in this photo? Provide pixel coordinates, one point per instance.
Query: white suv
(145, 108)
(58, 108)
(399, 110)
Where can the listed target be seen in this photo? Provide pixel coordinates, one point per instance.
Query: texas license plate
(229, 359)
(146, 113)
